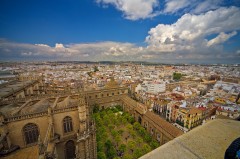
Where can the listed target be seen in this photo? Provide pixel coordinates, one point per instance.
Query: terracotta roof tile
(169, 128)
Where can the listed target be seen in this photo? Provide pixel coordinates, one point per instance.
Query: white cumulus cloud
(134, 9)
(222, 37)
(191, 6)
(59, 46)
(207, 5)
(191, 31)
(172, 6)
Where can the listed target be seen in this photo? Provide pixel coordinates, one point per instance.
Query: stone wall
(155, 125)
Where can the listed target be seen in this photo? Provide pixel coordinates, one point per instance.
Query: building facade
(60, 126)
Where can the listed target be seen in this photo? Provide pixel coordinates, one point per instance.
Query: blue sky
(174, 31)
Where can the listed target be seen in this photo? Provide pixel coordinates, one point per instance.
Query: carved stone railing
(67, 108)
(34, 97)
(25, 116)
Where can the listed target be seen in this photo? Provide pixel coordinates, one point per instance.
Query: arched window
(152, 131)
(140, 120)
(145, 125)
(70, 150)
(67, 124)
(31, 133)
(158, 137)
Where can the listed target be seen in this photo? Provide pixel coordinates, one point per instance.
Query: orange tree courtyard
(119, 136)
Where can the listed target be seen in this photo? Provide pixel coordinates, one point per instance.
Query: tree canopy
(177, 76)
(119, 136)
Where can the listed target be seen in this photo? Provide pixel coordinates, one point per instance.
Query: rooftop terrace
(209, 141)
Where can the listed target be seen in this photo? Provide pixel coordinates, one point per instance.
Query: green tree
(108, 144)
(102, 114)
(114, 119)
(101, 130)
(95, 108)
(95, 69)
(104, 135)
(119, 108)
(106, 120)
(122, 148)
(137, 126)
(137, 153)
(98, 119)
(147, 138)
(177, 76)
(127, 156)
(133, 133)
(118, 139)
(100, 146)
(129, 127)
(131, 145)
(120, 132)
(154, 144)
(111, 126)
(114, 133)
(131, 119)
(101, 155)
(146, 148)
(111, 152)
(124, 121)
(109, 136)
(142, 131)
(139, 141)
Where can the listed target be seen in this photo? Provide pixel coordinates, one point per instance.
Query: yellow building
(219, 100)
(189, 117)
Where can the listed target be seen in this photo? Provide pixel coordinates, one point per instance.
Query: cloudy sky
(165, 31)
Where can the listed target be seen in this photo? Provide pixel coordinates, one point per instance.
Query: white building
(156, 87)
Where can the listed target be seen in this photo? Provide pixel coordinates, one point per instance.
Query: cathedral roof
(111, 84)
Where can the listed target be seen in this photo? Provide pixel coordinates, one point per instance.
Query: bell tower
(86, 136)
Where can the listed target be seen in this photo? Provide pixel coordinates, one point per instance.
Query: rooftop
(25, 153)
(164, 124)
(208, 141)
(112, 84)
(8, 88)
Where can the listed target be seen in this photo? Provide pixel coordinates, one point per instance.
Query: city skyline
(171, 31)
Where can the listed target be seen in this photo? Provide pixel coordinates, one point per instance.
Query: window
(96, 96)
(140, 120)
(70, 150)
(158, 137)
(152, 131)
(112, 93)
(67, 124)
(31, 133)
(145, 125)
